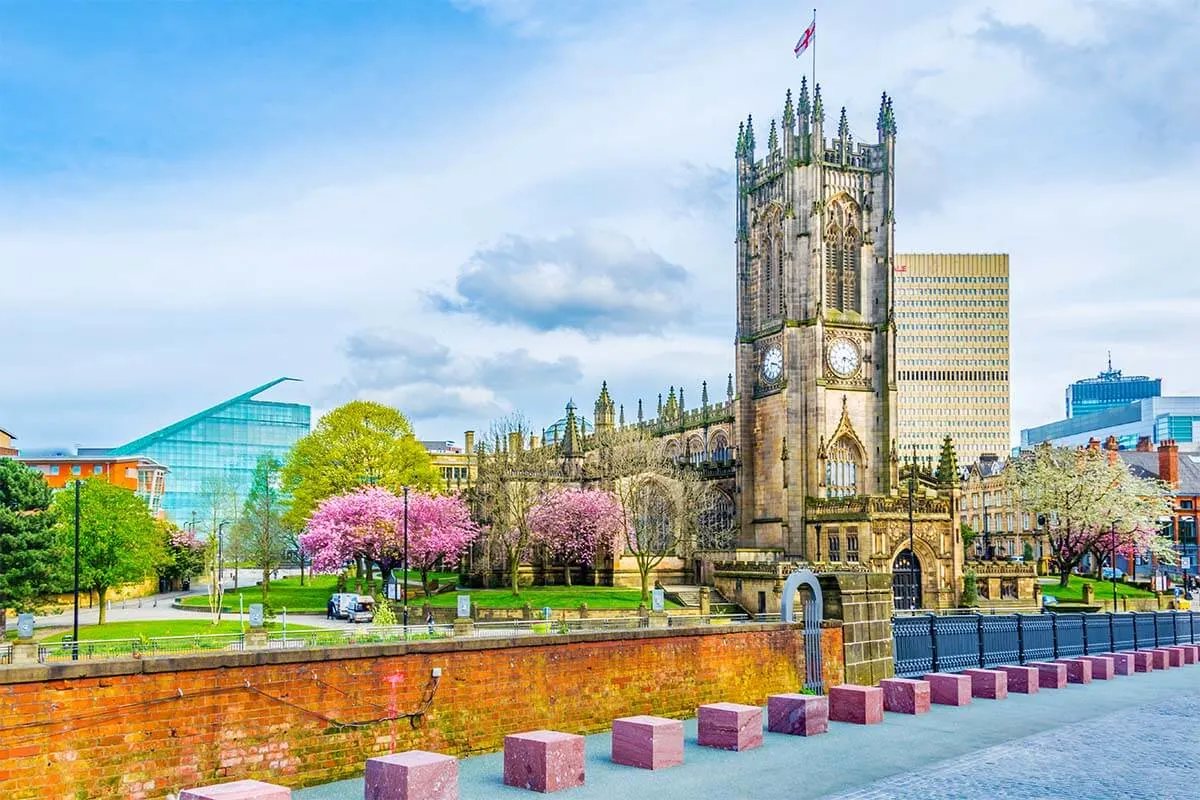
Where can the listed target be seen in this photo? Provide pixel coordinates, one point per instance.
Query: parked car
(362, 608)
(1108, 573)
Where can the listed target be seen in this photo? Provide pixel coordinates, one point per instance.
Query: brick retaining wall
(144, 729)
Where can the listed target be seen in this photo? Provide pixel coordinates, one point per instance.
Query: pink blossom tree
(440, 530)
(369, 524)
(576, 524)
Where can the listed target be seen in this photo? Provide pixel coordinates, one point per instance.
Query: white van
(362, 608)
(341, 604)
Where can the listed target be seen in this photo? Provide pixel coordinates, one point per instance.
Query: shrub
(970, 592)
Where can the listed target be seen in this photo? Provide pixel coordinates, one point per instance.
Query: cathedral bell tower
(816, 409)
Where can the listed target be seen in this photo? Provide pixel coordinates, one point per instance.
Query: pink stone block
(730, 726)
(949, 689)
(1050, 675)
(411, 775)
(1122, 663)
(1023, 680)
(1176, 655)
(1160, 658)
(1103, 667)
(797, 714)
(1143, 661)
(1078, 670)
(990, 684)
(1191, 653)
(647, 742)
(238, 790)
(905, 696)
(856, 704)
(860, 705)
(544, 761)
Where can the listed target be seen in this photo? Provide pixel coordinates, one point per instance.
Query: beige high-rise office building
(952, 354)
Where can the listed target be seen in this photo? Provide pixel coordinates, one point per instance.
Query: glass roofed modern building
(219, 446)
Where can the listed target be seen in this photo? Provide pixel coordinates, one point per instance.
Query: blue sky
(471, 207)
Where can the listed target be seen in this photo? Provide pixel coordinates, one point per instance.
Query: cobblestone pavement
(1135, 735)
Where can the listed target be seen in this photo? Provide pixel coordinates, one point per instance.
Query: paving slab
(1042, 745)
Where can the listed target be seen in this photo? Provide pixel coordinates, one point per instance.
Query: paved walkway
(1131, 736)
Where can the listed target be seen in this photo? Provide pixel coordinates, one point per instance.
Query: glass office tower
(1110, 389)
(219, 447)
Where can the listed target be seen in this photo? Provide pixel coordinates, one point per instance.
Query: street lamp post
(75, 624)
(220, 551)
(404, 589)
(1113, 572)
(912, 553)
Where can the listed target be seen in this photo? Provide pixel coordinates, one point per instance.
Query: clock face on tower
(843, 357)
(772, 364)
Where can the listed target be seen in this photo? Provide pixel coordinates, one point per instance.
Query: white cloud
(231, 273)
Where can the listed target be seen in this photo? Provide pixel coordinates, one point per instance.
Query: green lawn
(554, 596)
(152, 628)
(1073, 592)
(288, 593)
(313, 596)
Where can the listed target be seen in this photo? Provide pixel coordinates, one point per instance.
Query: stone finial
(749, 137)
(803, 106)
(843, 126)
(772, 139)
(641, 414)
(621, 416)
(740, 150)
(729, 388)
(818, 105)
(789, 113)
(704, 394)
(886, 121)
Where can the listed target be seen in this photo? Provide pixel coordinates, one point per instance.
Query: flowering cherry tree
(369, 523)
(576, 524)
(1091, 503)
(440, 530)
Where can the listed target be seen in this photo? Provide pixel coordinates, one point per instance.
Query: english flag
(806, 39)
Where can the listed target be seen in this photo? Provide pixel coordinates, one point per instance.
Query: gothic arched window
(842, 467)
(843, 252)
(652, 527)
(672, 450)
(716, 520)
(719, 448)
(695, 450)
(770, 254)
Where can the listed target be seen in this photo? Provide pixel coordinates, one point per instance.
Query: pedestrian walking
(429, 620)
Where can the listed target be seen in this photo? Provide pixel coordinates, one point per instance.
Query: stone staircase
(688, 596)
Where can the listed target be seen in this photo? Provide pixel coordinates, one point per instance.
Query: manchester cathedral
(801, 450)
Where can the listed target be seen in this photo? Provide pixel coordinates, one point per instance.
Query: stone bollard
(464, 627)
(1089, 594)
(583, 611)
(527, 612)
(705, 601)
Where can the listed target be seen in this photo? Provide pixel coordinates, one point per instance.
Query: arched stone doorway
(814, 607)
(906, 580)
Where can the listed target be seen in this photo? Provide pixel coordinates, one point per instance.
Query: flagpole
(813, 45)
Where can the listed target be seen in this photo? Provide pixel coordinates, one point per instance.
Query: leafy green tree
(183, 553)
(358, 443)
(119, 541)
(29, 557)
(968, 535)
(970, 593)
(262, 529)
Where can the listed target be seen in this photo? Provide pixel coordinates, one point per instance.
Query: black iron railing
(952, 643)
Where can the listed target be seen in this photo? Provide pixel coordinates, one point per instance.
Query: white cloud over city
(571, 221)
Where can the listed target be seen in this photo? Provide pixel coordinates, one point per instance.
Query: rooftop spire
(843, 126)
(641, 414)
(789, 113)
(704, 394)
(740, 149)
(749, 148)
(803, 106)
(886, 121)
(729, 388)
(621, 416)
(772, 139)
(818, 105)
